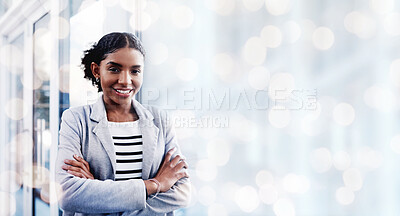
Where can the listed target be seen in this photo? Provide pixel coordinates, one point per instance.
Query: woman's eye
(135, 71)
(112, 69)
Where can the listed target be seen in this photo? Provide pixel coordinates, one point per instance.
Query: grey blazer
(84, 132)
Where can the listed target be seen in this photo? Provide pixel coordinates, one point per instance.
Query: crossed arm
(168, 174)
(82, 193)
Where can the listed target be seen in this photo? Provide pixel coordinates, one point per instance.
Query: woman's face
(121, 75)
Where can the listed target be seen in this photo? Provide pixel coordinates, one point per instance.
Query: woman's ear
(95, 70)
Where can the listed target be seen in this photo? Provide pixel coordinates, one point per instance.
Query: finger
(183, 174)
(77, 170)
(80, 159)
(169, 155)
(181, 165)
(77, 174)
(176, 160)
(75, 163)
(85, 163)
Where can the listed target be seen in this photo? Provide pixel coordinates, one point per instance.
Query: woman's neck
(120, 113)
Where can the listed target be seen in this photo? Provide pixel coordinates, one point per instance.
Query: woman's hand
(170, 172)
(79, 168)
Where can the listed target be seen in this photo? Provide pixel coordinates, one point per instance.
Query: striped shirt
(128, 146)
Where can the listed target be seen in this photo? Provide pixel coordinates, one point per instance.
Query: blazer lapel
(149, 136)
(100, 129)
(102, 132)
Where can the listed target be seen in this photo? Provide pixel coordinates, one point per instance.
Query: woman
(135, 163)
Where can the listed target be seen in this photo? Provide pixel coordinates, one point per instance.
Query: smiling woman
(118, 156)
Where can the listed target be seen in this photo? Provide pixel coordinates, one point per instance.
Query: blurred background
(282, 107)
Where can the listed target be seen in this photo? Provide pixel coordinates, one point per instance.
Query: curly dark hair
(109, 43)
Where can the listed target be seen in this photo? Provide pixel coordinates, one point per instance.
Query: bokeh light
(277, 7)
(221, 7)
(381, 6)
(64, 78)
(224, 65)
(259, 78)
(19, 148)
(43, 53)
(296, 183)
(284, 207)
(157, 53)
(187, 69)
(51, 196)
(344, 114)
(10, 203)
(395, 143)
(228, 190)
(206, 195)
(182, 130)
(182, 17)
(281, 85)
(360, 24)
(40, 174)
(264, 177)
(341, 160)
(11, 58)
(268, 194)
(254, 51)
(153, 10)
(219, 151)
(392, 24)
(206, 170)
(63, 26)
(279, 118)
(16, 109)
(344, 196)
(132, 6)
(11, 181)
(291, 31)
(369, 158)
(242, 128)
(247, 199)
(380, 98)
(311, 124)
(353, 179)
(395, 72)
(216, 209)
(323, 38)
(31, 84)
(253, 5)
(272, 36)
(321, 160)
(141, 24)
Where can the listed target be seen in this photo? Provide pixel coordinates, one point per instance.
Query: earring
(97, 79)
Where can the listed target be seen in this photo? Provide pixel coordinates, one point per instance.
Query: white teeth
(123, 92)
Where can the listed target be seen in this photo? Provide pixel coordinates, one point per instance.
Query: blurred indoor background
(282, 107)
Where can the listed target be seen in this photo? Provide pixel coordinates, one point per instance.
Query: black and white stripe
(128, 150)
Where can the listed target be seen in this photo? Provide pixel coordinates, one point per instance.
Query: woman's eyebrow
(113, 63)
(119, 65)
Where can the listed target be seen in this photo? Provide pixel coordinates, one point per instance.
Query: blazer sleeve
(91, 196)
(178, 196)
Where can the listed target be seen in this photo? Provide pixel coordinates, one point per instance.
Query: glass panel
(15, 150)
(41, 98)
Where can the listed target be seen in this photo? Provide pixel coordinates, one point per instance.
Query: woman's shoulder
(76, 112)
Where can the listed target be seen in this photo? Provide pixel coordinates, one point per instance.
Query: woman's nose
(124, 78)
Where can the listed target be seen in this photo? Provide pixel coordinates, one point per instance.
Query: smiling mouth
(123, 91)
